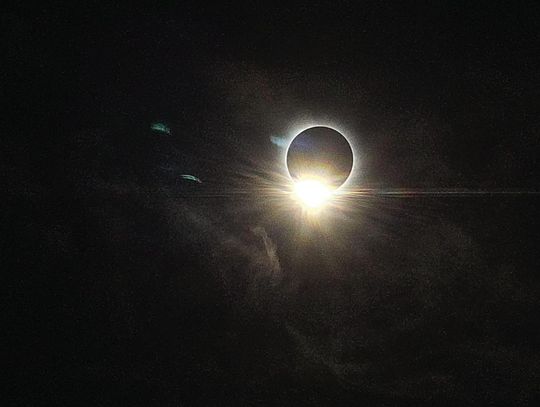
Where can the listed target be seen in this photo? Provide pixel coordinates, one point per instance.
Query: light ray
(404, 192)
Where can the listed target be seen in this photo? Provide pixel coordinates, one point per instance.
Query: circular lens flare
(312, 193)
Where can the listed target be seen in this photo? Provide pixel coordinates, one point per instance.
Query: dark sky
(126, 285)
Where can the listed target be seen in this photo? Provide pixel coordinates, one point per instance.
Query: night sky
(125, 284)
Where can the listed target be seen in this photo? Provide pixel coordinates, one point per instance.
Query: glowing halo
(319, 160)
(298, 129)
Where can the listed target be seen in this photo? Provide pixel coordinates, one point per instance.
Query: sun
(319, 160)
(312, 194)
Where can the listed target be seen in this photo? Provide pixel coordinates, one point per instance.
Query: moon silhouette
(320, 153)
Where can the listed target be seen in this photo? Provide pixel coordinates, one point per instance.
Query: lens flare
(312, 193)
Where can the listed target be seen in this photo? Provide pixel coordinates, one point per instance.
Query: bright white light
(311, 193)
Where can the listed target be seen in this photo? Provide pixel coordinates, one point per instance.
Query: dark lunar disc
(320, 153)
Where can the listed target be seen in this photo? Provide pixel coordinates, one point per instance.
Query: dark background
(127, 286)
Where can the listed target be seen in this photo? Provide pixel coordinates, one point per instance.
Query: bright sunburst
(312, 193)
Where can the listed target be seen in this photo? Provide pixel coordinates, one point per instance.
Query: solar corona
(319, 160)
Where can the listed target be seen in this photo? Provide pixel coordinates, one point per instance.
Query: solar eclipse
(319, 161)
